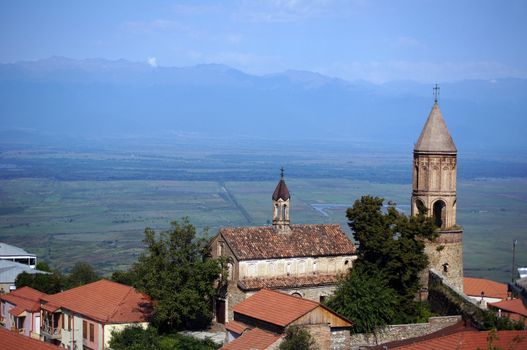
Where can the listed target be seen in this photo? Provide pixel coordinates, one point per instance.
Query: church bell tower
(434, 193)
(281, 206)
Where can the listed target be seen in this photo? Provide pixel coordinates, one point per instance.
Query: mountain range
(99, 98)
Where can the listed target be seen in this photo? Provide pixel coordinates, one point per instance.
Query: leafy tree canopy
(297, 338)
(137, 338)
(177, 271)
(82, 273)
(391, 241)
(364, 297)
(393, 244)
(46, 283)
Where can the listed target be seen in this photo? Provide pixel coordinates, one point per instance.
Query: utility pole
(513, 273)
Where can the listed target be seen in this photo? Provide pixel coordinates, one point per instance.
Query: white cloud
(152, 61)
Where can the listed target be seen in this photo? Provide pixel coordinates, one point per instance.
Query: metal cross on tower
(282, 172)
(436, 92)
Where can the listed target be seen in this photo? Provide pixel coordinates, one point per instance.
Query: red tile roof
(465, 340)
(287, 282)
(255, 339)
(515, 306)
(474, 287)
(25, 299)
(263, 242)
(236, 327)
(104, 301)
(14, 341)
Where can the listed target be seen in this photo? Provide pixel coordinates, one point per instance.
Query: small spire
(436, 92)
(282, 172)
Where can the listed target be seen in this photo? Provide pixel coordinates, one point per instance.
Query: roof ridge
(291, 296)
(116, 308)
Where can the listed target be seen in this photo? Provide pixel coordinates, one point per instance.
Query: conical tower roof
(281, 191)
(435, 136)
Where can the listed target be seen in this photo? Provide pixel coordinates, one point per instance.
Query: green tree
(177, 271)
(297, 338)
(393, 244)
(42, 266)
(124, 277)
(82, 273)
(137, 338)
(364, 297)
(47, 283)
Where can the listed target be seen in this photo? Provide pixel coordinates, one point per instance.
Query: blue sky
(378, 41)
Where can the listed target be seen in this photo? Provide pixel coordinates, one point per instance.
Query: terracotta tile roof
(286, 282)
(281, 191)
(275, 307)
(14, 341)
(104, 301)
(474, 287)
(515, 306)
(263, 242)
(236, 327)
(255, 339)
(25, 299)
(465, 340)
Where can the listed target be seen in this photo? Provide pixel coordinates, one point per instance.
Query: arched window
(296, 294)
(439, 213)
(284, 208)
(288, 268)
(314, 267)
(421, 209)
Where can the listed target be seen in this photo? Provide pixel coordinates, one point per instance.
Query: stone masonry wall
(340, 339)
(321, 333)
(403, 331)
(447, 249)
(446, 299)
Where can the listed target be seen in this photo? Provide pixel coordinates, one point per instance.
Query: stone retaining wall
(403, 331)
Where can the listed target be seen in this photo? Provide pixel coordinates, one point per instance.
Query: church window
(314, 267)
(284, 208)
(439, 213)
(302, 267)
(252, 270)
(229, 271)
(288, 268)
(296, 294)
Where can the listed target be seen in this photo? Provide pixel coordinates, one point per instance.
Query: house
(485, 291)
(15, 254)
(13, 341)
(461, 340)
(9, 271)
(268, 313)
(84, 317)
(304, 260)
(513, 309)
(20, 311)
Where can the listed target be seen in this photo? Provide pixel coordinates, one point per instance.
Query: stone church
(434, 192)
(301, 260)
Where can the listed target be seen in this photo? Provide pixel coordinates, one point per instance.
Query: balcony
(50, 332)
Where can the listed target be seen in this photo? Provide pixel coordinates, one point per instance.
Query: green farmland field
(102, 222)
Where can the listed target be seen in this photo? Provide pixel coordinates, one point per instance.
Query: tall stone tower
(281, 206)
(434, 192)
